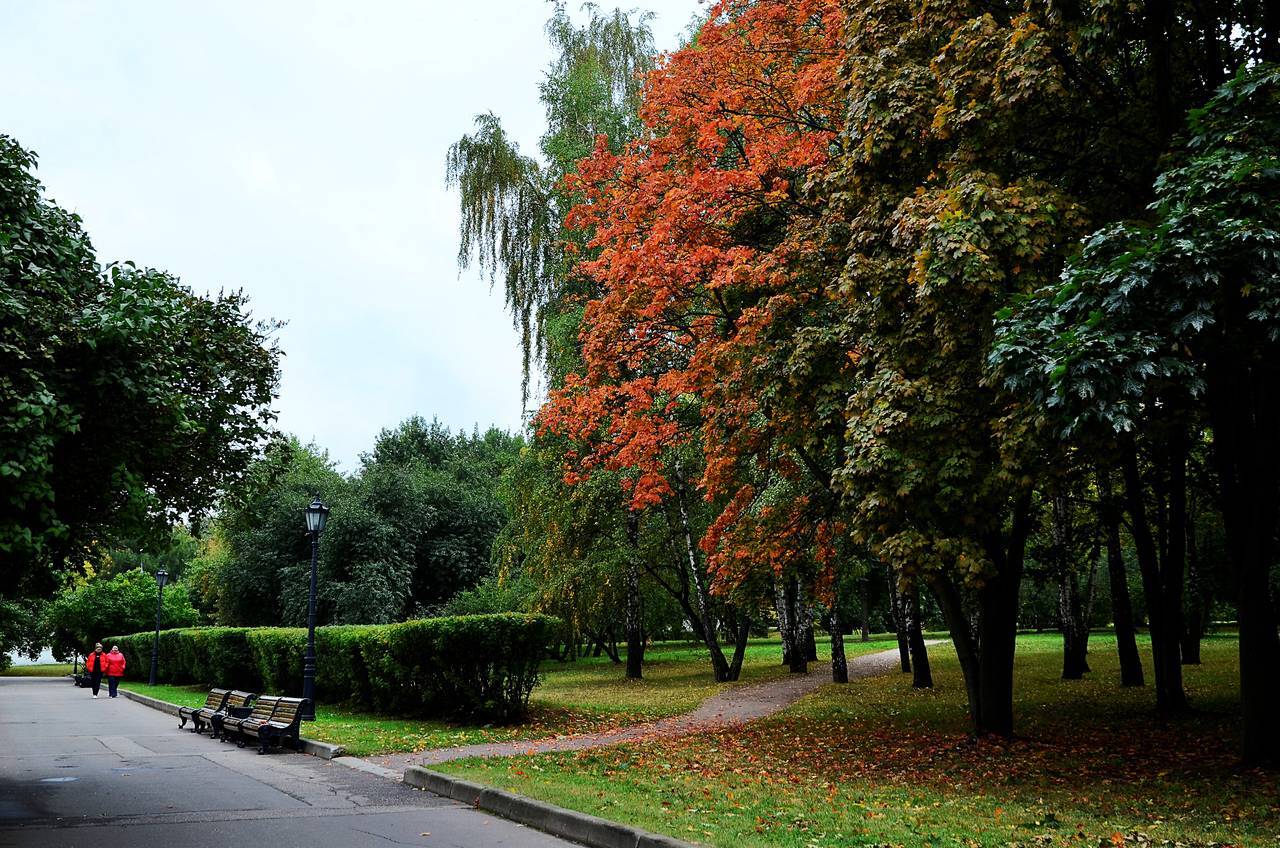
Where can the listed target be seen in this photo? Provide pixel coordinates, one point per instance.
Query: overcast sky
(296, 150)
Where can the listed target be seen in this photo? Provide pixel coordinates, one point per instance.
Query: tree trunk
(964, 640)
(1173, 571)
(784, 620)
(1070, 611)
(1244, 407)
(1170, 696)
(1121, 604)
(897, 608)
(1193, 626)
(922, 678)
(702, 593)
(986, 655)
(997, 635)
(839, 668)
(634, 617)
(866, 609)
(804, 615)
(1087, 616)
(799, 660)
(741, 636)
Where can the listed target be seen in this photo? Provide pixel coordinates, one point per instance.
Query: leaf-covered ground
(877, 763)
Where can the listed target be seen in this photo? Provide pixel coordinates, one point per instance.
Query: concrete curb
(323, 750)
(567, 824)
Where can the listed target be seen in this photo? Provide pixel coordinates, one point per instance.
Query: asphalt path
(75, 771)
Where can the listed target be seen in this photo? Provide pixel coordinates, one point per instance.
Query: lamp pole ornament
(317, 514)
(161, 577)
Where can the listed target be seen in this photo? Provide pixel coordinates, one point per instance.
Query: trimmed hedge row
(463, 666)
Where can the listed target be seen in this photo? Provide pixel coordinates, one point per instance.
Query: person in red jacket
(115, 669)
(94, 666)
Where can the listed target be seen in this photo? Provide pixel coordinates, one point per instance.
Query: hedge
(472, 666)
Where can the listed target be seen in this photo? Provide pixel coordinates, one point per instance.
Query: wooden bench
(214, 701)
(237, 705)
(261, 712)
(283, 724)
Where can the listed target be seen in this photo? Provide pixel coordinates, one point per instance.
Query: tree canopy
(127, 400)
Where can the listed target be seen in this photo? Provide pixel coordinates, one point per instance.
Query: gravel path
(735, 705)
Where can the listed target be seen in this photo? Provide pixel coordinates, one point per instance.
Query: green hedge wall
(473, 666)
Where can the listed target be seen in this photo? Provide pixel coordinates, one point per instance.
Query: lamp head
(317, 514)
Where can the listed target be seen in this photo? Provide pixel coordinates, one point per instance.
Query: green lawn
(877, 763)
(43, 670)
(574, 697)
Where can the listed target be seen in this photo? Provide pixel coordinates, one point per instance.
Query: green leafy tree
(513, 205)
(21, 630)
(268, 553)
(119, 605)
(413, 527)
(1178, 316)
(126, 400)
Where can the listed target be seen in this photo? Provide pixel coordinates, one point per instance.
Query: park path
(735, 705)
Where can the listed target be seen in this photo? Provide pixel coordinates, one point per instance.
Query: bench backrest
(288, 710)
(239, 699)
(216, 698)
(264, 707)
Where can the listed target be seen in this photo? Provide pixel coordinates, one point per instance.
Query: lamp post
(161, 576)
(317, 514)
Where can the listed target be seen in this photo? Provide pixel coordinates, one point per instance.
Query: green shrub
(478, 666)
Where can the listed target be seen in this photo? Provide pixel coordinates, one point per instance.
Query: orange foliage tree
(701, 231)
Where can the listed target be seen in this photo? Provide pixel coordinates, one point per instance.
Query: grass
(876, 763)
(42, 670)
(588, 695)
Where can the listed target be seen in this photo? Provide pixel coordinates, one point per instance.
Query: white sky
(296, 150)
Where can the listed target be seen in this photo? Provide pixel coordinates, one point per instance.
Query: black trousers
(112, 683)
(95, 680)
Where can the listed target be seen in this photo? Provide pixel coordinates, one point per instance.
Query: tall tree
(1182, 312)
(127, 400)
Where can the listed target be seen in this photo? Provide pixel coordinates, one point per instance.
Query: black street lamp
(161, 576)
(317, 514)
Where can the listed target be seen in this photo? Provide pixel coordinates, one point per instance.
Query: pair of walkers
(110, 664)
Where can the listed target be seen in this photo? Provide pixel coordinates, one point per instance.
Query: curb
(323, 750)
(557, 821)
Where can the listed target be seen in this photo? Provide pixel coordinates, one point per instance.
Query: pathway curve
(735, 705)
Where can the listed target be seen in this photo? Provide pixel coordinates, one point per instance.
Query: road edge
(323, 750)
(579, 827)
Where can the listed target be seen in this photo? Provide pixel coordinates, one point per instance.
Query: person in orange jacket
(115, 669)
(94, 666)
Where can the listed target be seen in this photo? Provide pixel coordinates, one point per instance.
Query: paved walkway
(77, 772)
(735, 705)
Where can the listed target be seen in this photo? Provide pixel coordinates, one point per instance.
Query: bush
(479, 666)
